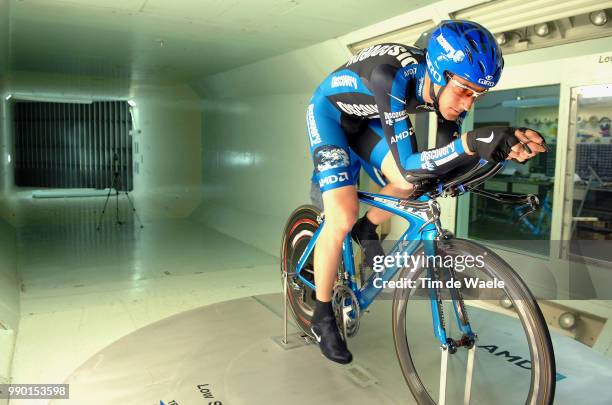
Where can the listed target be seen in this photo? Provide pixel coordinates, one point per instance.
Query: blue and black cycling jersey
(360, 112)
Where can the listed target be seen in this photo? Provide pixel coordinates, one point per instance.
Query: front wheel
(512, 360)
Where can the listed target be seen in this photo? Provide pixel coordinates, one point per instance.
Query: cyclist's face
(458, 97)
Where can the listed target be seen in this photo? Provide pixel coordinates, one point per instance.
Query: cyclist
(358, 116)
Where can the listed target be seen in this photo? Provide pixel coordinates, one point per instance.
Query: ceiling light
(501, 38)
(7, 98)
(49, 98)
(598, 18)
(132, 103)
(567, 320)
(542, 30)
(531, 102)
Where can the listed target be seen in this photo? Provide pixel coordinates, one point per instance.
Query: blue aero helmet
(466, 49)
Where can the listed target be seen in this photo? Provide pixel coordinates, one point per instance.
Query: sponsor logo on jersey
(332, 179)
(407, 59)
(428, 164)
(401, 135)
(313, 131)
(331, 157)
(410, 72)
(401, 53)
(420, 87)
(438, 153)
(393, 117)
(344, 81)
(362, 110)
(451, 53)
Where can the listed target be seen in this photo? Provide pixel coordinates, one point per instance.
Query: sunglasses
(462, 90)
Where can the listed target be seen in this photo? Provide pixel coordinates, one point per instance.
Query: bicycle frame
(423, 228)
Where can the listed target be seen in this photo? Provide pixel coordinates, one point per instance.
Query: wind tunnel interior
(200, 107)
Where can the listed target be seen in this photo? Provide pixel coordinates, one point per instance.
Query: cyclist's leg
(333, 170)
(341, 210)
(372, 148)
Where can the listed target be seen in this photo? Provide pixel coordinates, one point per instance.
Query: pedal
(309, 340)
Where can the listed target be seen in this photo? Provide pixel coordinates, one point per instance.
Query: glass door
(588, 194)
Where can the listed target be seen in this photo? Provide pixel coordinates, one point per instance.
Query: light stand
(117, 186)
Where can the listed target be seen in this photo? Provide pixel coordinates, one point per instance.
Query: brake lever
(528, 211)
(532, 204)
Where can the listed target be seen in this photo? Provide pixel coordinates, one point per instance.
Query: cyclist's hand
(531, 143)
(496, 144)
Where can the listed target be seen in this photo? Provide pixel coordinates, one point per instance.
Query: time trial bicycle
(528, 345)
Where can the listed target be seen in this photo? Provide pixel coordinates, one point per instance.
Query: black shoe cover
(330, 342)
(364, 233)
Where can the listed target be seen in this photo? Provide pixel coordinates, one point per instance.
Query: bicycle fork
(447, 344)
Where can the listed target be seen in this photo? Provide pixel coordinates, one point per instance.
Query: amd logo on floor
(523, 363)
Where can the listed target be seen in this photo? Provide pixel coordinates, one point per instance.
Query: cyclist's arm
(389, 84)
(448, 130)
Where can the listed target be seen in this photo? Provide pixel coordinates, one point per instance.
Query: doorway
(588, 211)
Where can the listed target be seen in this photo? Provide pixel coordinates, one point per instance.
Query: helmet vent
(453, 28)
(469, 55)
(482, 41)
(482, 67)
(473, 44)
